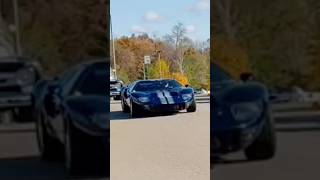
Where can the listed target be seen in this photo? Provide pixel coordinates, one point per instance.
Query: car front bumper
(15, 100)
(166, 107)
(232, 140)
(114, 93)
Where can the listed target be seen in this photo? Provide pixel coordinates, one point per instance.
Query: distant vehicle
(115, 88)
(72, 118)
(201, 91)
(164, 95)
(241, 118)
(18, 76)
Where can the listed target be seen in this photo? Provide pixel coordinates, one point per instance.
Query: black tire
(24, 114)
(264, 147)
(50, 149)
(73, 163)
(192, 107)
(117, 98)
(135, 110)
(125, 107)
(81, 153)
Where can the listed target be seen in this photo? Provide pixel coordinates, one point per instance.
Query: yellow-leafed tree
(182, 79)
(160, 69)
(230, 56)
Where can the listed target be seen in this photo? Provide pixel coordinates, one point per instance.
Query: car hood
(165, 96)
(234, 91)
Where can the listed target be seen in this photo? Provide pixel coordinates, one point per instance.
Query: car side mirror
(125, 92)
(246, 76)
(52, 99)
(187, 85)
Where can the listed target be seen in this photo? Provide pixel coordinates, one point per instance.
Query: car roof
(13, 59)
(154, 80)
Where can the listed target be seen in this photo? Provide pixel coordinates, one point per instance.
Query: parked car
(72, 118)
(115, 88)
(163, 95)
(18, 76)
(241, 117)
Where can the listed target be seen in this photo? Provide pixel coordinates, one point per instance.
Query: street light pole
(17, 27)
(113, 50)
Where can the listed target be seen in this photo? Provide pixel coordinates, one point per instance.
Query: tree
(180, 43)
(159, 69)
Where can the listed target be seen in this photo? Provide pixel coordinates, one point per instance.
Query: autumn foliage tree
(190, 67)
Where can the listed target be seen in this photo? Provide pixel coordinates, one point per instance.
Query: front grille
(226, 141)
(10, 89)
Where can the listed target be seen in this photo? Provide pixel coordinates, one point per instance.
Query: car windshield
(94, 81)
(218, 74)
(156, 85)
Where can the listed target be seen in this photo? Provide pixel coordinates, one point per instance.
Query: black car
(241, 119)
(115, 88)
(163, 95)
(18, 75)
(72, 118)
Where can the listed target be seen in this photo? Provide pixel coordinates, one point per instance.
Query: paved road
(297, 158)
(173, 147)
(19, 157)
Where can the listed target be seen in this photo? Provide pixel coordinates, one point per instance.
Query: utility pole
(144, 71)
(17, 27)
(159, 59)
(113, 50)
(157, 52)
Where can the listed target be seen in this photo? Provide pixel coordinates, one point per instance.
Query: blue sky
(156, 17)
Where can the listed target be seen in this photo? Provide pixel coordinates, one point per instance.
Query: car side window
(69, 81)
(131, 86)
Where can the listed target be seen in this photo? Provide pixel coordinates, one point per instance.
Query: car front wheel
(50, 149)
(192, 107)
(134, 110)
(125, 107)
(264, 147)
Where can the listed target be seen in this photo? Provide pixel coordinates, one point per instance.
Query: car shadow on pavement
(119, 115)
(218, 161)
(33, 167)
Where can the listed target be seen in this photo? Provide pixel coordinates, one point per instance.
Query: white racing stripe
(169, 97)
(161, 97)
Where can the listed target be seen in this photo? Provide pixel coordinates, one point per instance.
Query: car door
(57, 117)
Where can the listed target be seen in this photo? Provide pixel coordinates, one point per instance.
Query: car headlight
(25, 76)
(186, 97)
(144, 99)
(246, 111)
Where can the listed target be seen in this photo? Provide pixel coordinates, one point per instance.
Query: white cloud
(152, 16)
(138, 29)
(190, 28)
(200, 5)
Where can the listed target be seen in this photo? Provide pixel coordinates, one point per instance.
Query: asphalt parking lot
(297, 155)
(166, 147)
(19, 156)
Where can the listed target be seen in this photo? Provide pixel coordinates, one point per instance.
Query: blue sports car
(241, 118)
(164, 95)
(72, 120)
